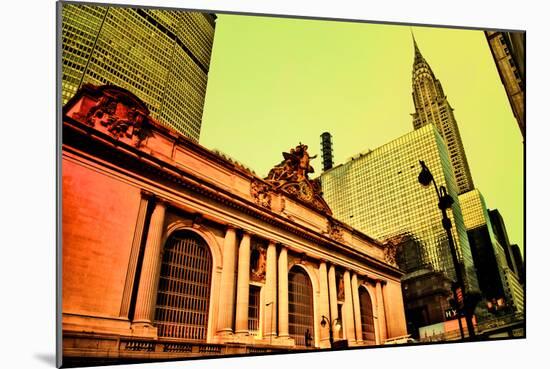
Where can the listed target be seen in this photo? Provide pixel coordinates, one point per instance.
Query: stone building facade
(170, 250)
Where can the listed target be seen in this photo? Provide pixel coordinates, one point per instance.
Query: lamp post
(445, 202)
(336, 322)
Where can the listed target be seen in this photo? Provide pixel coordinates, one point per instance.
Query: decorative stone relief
(260, 193)
(258, 263)
(340, 292)
(291, 176)
(391, 245)
(123, 114)
(389, 254)
(335, 231)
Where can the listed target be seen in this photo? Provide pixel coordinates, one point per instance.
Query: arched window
(300, 306)
(184, 288)
(367, 317)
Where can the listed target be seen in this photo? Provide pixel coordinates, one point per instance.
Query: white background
(28, 157)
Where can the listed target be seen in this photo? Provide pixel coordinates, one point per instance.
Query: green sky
(275, 82)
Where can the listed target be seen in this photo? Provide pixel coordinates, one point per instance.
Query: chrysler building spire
(431, 107)
(417, 54)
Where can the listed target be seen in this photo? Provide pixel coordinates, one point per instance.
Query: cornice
(104, 145)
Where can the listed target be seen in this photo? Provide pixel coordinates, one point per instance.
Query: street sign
(451, 314)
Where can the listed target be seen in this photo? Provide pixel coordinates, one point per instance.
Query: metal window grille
(253, 310)
(367, 318)
(300, 306)
(184, 288)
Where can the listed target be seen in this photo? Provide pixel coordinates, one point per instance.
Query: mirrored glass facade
(162, 56)
(378, 193)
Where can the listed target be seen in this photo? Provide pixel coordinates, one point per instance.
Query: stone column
(348, 309)
(150, 269)
(243, 286)
(283, 292)
(380, 312)
(356, 308)
(227, 290)
(333, 299)
(324, 307)
(371, 288)
(270, 291)
(134, 254)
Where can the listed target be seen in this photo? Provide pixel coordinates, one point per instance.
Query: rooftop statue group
(294, 169)
(291, 176)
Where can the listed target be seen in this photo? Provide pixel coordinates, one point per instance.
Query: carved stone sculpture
(334, 231)
(258, 263)
(260, 194)
(391, 245)
(291, 176)
(123, 114)
(341, 292)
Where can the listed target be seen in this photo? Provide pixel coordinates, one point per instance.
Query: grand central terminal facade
(170, 250)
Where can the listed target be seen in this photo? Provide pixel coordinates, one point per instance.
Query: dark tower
(499, 229)
(518, 259)
(326, 150)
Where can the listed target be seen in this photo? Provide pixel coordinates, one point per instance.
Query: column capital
(160, 201)
(231, 226)
(282, 246)
(147, 194)
(374, 280)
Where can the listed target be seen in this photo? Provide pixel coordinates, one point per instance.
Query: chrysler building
(431, 106)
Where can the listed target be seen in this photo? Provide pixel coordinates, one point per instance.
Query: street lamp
(445, 202)
(336, 322)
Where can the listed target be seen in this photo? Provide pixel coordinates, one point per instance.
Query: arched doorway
(300, 306)
(183, 296)
(367, 317)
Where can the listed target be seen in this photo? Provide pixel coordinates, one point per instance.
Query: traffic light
(458, 295)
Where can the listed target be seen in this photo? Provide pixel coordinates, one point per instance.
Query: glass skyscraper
(162, 56)
(431, 107)
(378, 193)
